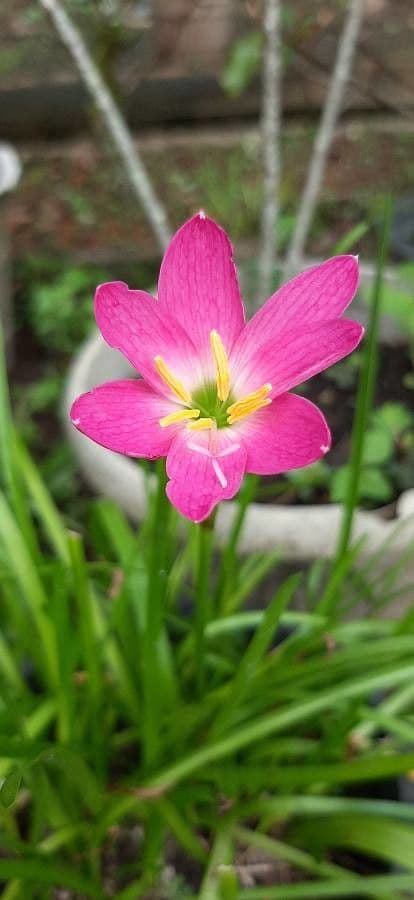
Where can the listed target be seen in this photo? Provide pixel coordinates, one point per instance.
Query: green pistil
(206, 400)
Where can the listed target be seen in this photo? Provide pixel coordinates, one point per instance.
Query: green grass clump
(164, 689)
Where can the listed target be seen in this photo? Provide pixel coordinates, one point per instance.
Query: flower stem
(202, 599)
(158, 545)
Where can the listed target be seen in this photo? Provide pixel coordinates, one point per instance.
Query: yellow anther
(202, 424)
(179, 416)
(174, 383)
(235, 417)
(222, 365)
(249, 404)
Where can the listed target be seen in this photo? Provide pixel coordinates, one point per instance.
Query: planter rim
(10, 167)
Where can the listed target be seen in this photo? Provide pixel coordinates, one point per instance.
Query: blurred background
(155, 693)
(187, 76)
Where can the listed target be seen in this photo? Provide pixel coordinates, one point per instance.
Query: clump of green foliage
(60, 310)
(146, 691)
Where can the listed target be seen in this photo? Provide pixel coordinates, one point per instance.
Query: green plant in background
(60, 311)
(245, 58)
(398, 305)
(307, 481)
(391, 430)
(243, 64)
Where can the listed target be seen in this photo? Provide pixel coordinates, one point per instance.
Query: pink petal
(132, 322)
(198, 283)
(294, 357)
(198, 480)
(124, 416)
(320, 293)
(288, 434)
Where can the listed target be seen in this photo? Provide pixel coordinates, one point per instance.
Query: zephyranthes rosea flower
(213, 397)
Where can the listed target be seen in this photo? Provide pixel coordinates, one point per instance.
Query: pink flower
(213, 397)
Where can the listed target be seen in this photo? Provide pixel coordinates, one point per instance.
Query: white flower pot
(10, 172)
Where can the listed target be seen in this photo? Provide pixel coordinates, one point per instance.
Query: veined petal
(134, 323)
(124, 416)
(319, 294)
(198, 284)
(289, 434)
(295, 356)
(199, 480)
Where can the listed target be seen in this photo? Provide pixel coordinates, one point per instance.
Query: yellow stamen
(235, 417)
(174, 383)
(222, 365)
(179, 416)
(249, 404)
(201, 424)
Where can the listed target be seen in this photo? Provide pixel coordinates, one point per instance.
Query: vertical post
(271, 119)
(325, 135)
(113, 119)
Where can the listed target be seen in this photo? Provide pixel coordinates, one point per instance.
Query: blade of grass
(221, 855)
(251, 574)
(366, 390)
(276, 809)
(37, 872)
(9, 462)
(367, 886)
(44, 505)
(26, 575)
(202, 596)
(388, 840)
(256, 649)
(91, 658)
(154, 612)
(369, 768)
(181, 830)
(228, 557)
(300, 859)
(351, 238)
(274, 723)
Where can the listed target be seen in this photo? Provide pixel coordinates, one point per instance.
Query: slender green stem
(365, 396)
(202, 598)
(226, 575)
(221, 856)
(365, 391)
(158, 541)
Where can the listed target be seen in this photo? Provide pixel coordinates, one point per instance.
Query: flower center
(212, 405)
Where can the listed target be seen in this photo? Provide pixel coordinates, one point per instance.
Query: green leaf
(351, 238)
(378, 446)
(77, 772)
(339, 484)
(308, 479)
(10, 787)
(393, 416)
(39, 871)
(243, 64)
(388, 840)
(255, 652)
(374, 485)
(399, 305)
(45, 507)
(277, 722)
(368, 886)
